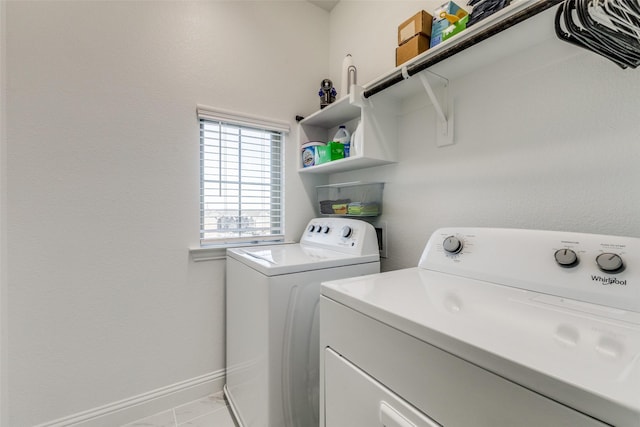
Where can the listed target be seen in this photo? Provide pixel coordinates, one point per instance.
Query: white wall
(3, 241)
(368, 30)
(102, 173)
(102, 186)
(545, 139)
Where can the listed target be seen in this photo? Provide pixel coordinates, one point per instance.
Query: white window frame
(244, 120)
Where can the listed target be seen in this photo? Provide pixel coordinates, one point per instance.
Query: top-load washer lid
(294, 258)
(325, 243)
(583, 354)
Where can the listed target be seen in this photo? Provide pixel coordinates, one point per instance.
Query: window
(241, 178)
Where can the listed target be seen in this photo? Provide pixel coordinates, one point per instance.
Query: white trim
(219, 114)
(242, 241)
(208, 254)
(102, 414)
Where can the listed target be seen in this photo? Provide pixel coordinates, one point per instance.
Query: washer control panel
(588, 267)
(341, 234)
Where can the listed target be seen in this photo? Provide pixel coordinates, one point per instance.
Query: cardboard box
(442, 28)
(411, 48)
(420, 23)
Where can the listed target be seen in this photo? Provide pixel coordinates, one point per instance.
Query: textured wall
(102, 175)
(546, 138)
(3, 222)
(103, 184)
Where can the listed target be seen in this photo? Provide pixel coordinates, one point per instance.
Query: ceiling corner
(324, 4)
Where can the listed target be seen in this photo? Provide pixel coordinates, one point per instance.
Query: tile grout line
(218, 405)
(205, 414)
(175, 417)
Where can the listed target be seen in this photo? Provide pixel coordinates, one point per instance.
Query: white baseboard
(145, 404)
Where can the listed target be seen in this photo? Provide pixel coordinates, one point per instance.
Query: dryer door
(353, 398)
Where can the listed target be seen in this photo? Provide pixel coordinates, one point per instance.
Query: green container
(454, 29)
(332, 151)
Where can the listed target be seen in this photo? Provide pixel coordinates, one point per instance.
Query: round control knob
(311, 228)
(610, 263)
(566, 258)
(346, 231)
(326, 229)
(318, 228)
(452, 245)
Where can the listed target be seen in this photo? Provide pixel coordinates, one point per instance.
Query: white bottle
(343, 137)
(356, 141)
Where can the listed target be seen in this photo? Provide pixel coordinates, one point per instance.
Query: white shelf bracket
(443, 107)
(356, 97)
(405, 72)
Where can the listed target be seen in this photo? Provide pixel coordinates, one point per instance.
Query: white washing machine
(272, 319)
(494, 328)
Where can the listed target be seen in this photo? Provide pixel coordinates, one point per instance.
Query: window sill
(215, 253)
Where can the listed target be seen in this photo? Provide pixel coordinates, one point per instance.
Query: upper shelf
(334, 114)
(521, 25)
(518, 27)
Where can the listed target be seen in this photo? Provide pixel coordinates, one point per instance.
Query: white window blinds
(241, 182)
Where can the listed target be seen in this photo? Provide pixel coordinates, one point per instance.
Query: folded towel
(360, 208)
(326, 206)
(340, 208)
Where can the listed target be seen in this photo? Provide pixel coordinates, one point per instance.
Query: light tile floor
(211, 411)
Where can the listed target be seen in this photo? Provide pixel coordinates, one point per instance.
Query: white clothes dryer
(272, 296)
(494, 328)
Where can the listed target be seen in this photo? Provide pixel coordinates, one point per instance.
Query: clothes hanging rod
(498, 27)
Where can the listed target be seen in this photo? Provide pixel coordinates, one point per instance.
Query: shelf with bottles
(522, 25)
(373, 133)
(352, 199)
